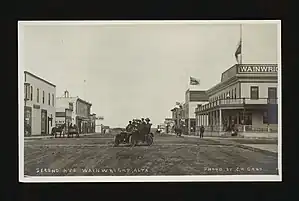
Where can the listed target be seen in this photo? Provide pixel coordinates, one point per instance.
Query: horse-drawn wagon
(61, 130)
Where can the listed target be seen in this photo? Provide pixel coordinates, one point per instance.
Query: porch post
(189, 126)
(200, 120)
(220, 120)
(217, 120)
(207, 120)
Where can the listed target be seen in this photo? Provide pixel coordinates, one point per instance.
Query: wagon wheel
(133, 142)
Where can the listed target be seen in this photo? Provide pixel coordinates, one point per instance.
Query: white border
(199, 178)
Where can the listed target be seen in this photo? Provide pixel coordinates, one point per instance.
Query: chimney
(66, 94)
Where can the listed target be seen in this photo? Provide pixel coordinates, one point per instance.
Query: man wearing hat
(148, 126)
(140, 125)
(129, 127)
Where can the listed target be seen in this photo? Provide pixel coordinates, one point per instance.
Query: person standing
(202, 130)
(148, 126)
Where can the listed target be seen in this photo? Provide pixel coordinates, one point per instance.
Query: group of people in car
(143, 126)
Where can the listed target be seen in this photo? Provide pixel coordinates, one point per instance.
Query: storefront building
(246, 99)
(39, 108)
(169, 125)
(192, 99)
(99, 124)
(64, 116)
(178, 117)
(92, 123)
(80, 115)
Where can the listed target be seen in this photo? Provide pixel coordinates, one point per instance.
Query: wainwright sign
(257, 69)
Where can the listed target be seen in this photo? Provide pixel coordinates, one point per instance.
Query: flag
(194, 81)
(239, 50)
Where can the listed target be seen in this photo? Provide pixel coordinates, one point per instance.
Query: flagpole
(85, 90)
(188, 84)
(241, 43)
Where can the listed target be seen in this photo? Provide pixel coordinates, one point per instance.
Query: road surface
(169, 155)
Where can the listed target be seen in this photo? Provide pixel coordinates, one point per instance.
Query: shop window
(28, 120)
(272, 93)
(43, 97)
(31, 93)
(254, 92)
(49, 99)
(265, 118)
(26, 91)
(37, 95)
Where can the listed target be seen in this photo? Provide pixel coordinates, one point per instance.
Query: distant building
(99, 124)
(93, 123)
(193, 98)
(169, 125)
(39, 109)
(80, 111)
(246, 98)
(178, 115)
(64, 111)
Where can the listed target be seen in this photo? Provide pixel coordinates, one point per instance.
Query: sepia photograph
(149, 101)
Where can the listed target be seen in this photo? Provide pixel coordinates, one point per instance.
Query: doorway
(49, 123)
(28, 121)
(44, 122)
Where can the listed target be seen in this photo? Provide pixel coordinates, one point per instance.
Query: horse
(58, 129)
(178, 131)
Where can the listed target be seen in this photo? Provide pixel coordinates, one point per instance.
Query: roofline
(237, 74)
(236, 65)
(84, 101)
(35, 76)
(74, 98)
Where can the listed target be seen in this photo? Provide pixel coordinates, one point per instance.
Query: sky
(137, 70)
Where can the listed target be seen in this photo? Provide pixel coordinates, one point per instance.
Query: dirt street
(169, 155)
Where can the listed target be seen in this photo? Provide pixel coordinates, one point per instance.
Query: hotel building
(39, 108)
(246, 97)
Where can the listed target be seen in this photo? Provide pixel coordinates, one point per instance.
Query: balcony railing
(240, 128)
(237, 101)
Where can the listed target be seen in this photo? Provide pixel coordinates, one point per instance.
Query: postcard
(148, 101)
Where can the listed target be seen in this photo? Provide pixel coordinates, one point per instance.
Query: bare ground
(169, 155)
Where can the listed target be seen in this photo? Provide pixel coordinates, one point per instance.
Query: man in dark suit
(201, 130)
(148, 126)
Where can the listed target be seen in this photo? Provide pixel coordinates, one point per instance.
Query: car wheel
(133, 141)
(116, 141)
(150, 140)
